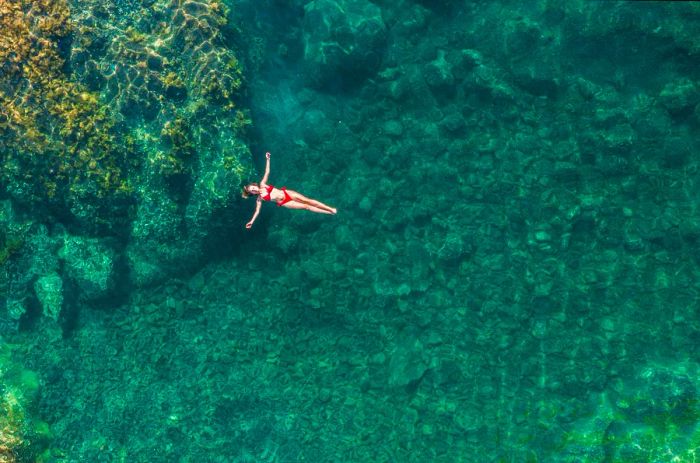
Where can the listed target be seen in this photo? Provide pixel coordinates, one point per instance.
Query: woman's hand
(249, 224)
(267, 155)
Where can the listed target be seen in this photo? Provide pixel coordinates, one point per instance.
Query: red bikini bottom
(286, 199)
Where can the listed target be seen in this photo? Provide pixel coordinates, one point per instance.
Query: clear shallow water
(512, 274)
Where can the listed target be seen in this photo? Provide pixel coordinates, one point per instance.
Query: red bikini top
(269, 189)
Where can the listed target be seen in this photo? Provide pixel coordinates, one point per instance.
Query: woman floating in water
(283, 197)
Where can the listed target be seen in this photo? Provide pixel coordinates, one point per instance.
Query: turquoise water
(512, 275)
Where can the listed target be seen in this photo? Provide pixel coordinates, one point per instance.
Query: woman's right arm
(255, 214)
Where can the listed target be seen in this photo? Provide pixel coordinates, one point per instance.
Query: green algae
(23, 436)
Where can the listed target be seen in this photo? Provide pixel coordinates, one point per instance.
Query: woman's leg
(303, 199)
(298, 205)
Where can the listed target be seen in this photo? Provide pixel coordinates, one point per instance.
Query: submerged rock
(438, 75)
(49, 291)
(344, 42)
(680, 97)
(90, 265)
(408, 363)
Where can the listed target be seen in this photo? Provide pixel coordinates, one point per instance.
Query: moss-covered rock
(178, 84)
(129, 126)
(51, 126)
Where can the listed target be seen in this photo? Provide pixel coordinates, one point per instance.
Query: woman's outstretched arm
(255, 214)
(267, 169)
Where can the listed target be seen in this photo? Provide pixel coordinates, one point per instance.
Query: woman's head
(251, 189)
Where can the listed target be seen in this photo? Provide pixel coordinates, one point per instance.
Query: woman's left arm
(267, 168)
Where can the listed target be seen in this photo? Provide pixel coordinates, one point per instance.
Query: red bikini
(269, 189)
(286, 199)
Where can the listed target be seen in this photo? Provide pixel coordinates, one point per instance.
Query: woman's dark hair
(245, 192)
